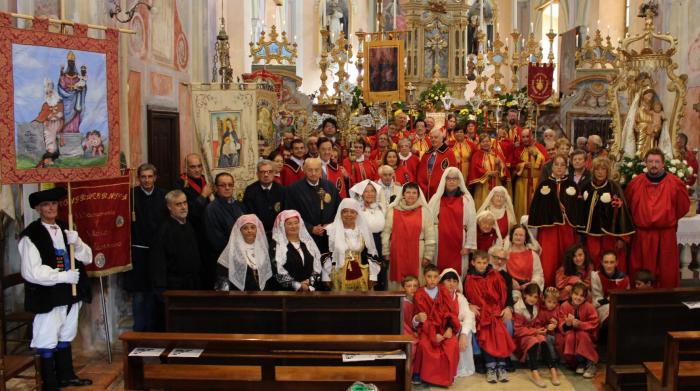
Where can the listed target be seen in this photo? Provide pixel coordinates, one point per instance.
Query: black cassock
(175, 262)
(307, 200)
(264, 204)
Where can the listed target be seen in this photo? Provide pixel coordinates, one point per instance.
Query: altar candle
(551, 16)
(515, 14)
(395, 15)
(532, 27)
(498, 27)
(608, 30)
(481, 15)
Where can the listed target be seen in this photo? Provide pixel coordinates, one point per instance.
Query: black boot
(64, 369)
(479, 365)
(48, 374)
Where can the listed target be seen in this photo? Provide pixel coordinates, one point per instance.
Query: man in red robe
(528, 159)
(657, 200)
(331, 170)
(434, 163)
(514, 129)
(437, 316)
(358, 166)
(408, 163)
(462, 148)
(402, 130)
(292, 169)
(421, 140)
(487, 170)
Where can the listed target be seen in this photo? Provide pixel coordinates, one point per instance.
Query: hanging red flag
(539, 81)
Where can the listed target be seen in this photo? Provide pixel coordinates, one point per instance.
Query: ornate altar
(585, 110)
(643, 114)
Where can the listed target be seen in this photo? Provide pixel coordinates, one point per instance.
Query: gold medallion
(327, 198)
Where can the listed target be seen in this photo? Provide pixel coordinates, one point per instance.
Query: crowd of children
(459, 329)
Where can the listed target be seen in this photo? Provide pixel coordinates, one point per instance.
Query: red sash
(520, 265)
(405, 243)
(191, 183)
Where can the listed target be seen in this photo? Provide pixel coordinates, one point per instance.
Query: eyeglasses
(450, 178)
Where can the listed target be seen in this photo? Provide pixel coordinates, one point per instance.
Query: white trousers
(54, 326)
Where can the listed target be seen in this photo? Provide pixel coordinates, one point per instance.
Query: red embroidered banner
(102, 218)
(60, 101)
(539, 81)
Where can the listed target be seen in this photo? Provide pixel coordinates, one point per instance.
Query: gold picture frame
(384, 80)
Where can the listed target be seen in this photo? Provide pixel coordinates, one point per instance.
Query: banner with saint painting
(61, 104)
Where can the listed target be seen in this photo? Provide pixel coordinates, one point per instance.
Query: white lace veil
(498, 213)
(234, 258)
(281, 241)
(336, 232)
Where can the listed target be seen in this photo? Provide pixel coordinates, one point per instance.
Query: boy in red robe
(438, 326)
(358, 166)
(410, 287)
(578, 323)
(292, 170)
(657, 200)
(487, 294)
(434, 163)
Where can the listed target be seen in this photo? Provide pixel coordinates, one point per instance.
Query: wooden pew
(675, 372)
(284, 312)
(638, 323)
(262, 362)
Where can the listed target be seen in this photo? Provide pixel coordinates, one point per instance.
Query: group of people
(435, 212)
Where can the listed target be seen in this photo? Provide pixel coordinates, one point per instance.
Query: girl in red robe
(487, 293)
(500, 204)
(453, 211)
(556, 212)
(531, 335)
(524, 264)
(437, 355)
(578, 323)
(548, 315)
(603, 280)
(577, 268)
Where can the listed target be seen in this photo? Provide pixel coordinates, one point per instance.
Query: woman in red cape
(556, 212)
(437, 355)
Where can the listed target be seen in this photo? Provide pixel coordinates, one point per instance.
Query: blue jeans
(143, 307)
(475, 344)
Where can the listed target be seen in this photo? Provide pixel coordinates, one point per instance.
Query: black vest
(40, 299)
(297, 269)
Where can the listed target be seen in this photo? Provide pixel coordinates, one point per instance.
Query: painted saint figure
(72, 88)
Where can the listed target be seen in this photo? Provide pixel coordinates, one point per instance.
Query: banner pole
(74, 289)
(108, 339)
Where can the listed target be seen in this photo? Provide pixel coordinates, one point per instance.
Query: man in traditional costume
(149, 213)
(421, 140)
(292, 170)
(316, 200)
(434, 163)
(358, 166)
(657, 200)
(487, 170)
(463, 149)
(527, 162)
(45, 266)
(514, 129)
(331, 170)
(453, 212)
(265, 197)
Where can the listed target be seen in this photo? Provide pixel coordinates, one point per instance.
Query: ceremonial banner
(60, 101)
(539, 81)
(102, 217)
(384, 78)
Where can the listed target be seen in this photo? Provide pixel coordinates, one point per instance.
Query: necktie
(324, 175)
(431, 162)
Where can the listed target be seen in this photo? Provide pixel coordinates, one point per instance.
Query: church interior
(510, 99)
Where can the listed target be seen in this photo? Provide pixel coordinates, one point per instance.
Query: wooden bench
(680, 369)
(638, 323)
(262, 362)
(284, 312)
(17, 324)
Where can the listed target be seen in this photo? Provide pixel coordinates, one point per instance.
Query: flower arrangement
(468, 114)
(516, 100)
(630, 167)
(357, 98)
(431, 99)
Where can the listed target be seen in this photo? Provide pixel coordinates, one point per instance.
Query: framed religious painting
(61, 102)
(226, 138)
(384, 79)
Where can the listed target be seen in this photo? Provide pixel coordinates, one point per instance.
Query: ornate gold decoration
(224, 73)
(515, 62)
(359, 63)
(323, 64)
(597, 53)
(340, 54)
(280, 51)
(498, 56)
(637, 71)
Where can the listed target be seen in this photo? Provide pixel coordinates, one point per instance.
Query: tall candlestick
(481, 15)
(532, 27)
(498, 27)
(551, 16)
(515, 14)
(395, 1)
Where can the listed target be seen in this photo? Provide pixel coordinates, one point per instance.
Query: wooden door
(164, 145)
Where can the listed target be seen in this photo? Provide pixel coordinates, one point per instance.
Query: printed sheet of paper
(179, 352)
(146, 352)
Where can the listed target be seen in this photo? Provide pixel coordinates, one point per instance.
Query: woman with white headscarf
(500, 204)
(454, 216)
(408, 240)
(353, 264)
(367, 194)
(295, 253)
(451, 280)
(245, 258)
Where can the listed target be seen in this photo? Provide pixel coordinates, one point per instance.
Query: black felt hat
(38, 197)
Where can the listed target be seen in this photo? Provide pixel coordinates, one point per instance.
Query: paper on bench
(179, 352)
(372, 357)
(146, 352)
(693, 305)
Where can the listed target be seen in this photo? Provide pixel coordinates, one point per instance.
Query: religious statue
(645, 126)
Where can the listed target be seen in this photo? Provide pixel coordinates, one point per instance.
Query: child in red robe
(437, 315)
(410, 286)
(487, 293)
(602, 281)
(548, 317)
(531, 335)
(577, 268)
(578, 323)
